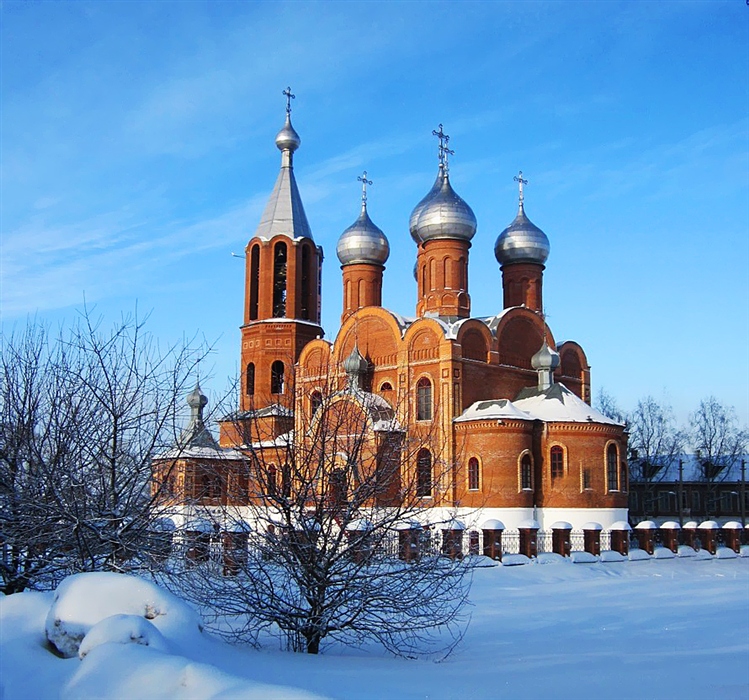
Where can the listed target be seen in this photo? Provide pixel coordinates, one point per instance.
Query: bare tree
(655, 441)
(340, 544)
(608, 405)
(82, 415)
(718, 440)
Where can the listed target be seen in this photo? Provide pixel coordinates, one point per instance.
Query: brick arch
(573, 361)
(518, 340)
(474, 345)
(423, 344)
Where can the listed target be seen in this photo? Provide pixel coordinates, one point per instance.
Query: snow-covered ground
(661, 628)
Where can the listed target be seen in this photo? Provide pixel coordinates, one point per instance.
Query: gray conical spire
(284, 212)
(545, 361)
(356, 367)
(196, 434)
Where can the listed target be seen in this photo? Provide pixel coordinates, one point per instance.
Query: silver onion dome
(545, 358)
(363, 242)
(445, 215)
(287, 139)
(422, 204)
(522, 241)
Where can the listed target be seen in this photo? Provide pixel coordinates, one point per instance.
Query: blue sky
(137, 153)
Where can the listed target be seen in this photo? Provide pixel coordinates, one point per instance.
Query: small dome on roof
(196, 398)
(444, 214)
(355, 363)
(363, 242)
(545, 358)
(287, 139)
(522, 241)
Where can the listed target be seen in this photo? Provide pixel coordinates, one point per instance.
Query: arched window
(315, 401)
(424, 399)
(279, 280)
(386, 386)
(424, 473)
(286, 481)
(306, 283)
(612, 467)
(623, 475)
(526, 473)
(474, 475)
(254, 281)
(557, 462)
(337, 488)
(276, 377)
(249, 379)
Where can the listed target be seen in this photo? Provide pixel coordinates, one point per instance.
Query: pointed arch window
(424, 399)
(424, 473)
(474, 474)
(557, 462)
(249, 379)
(612, 467)
(254, 281)
(277, 377)
(526, 473)
(279, 279)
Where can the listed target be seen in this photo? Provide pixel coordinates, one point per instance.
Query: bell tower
(282, 287)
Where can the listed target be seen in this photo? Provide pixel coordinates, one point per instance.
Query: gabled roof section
(493, 409)
(284, 212)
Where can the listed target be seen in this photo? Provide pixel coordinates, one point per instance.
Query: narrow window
(474, 477)
(337, 488)
(306, 283)
(249, 381)
(526, 473)
(424, 399)
(271, 477)
(612, 467)
(279, 280)
(424, 473)
(696, 501)
(557, 462)
(276, 377)
(623, 475)
(315, 401)
(586, 479)
(254, 281)
(286, 481)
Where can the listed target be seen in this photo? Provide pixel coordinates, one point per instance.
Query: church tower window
(306, 283)
(277, 377)
(254, 281)
(279, 280)
(315, 401)
(249, 382)
(424, 474)
(424, 399)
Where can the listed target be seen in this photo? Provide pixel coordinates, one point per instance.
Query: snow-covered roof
(559, 404)
(493, 409)
(201, 453)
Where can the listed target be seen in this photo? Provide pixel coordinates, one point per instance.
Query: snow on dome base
(492, 524)
(646, 525)
(670, 525)
(83, 600)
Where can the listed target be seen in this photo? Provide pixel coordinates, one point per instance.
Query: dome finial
(443, 151)
(289, 98)
(519, 179)
(364, 182)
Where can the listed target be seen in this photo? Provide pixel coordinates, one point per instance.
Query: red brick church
(512, 434)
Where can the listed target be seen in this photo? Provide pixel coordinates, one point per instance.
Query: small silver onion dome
(363, 242)
(287, 139)
(545, 358)
(196, 399)
(446, 215)
(355, 364)
(522, 241)
(420, 206)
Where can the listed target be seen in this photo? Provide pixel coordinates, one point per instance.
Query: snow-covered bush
(83, 600)
(123, 629)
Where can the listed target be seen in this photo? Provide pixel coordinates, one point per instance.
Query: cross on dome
(444, 151)
(289, 98)
(519, 179)
(364, 182)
